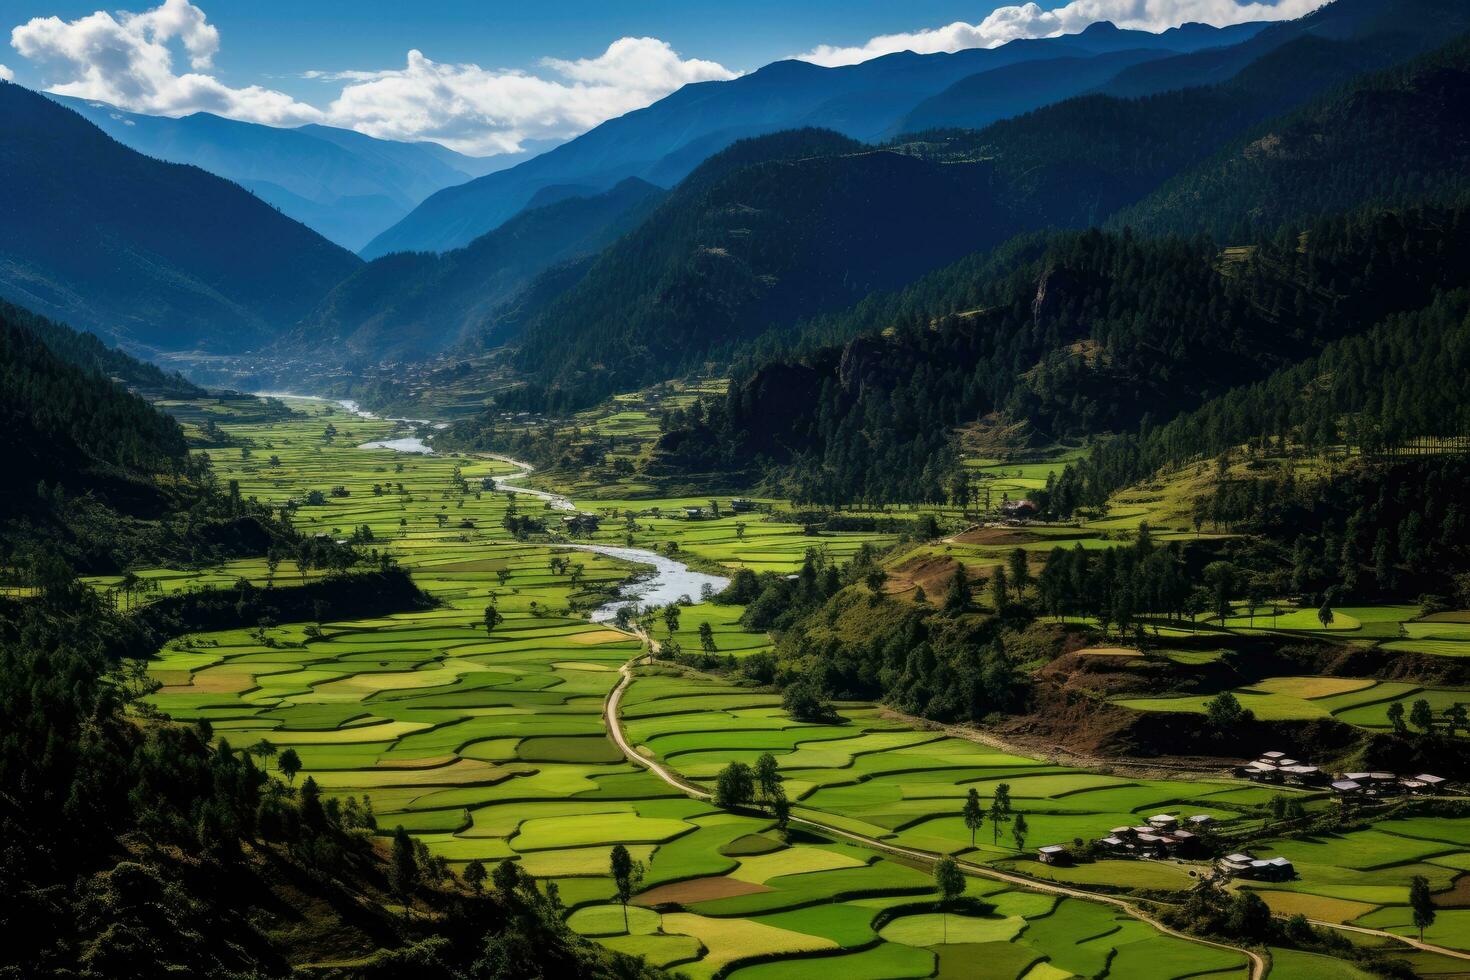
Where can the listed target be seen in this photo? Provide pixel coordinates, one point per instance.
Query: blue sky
(486, 77)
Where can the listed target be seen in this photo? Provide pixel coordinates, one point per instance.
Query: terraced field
(875, 776)
(490, 744)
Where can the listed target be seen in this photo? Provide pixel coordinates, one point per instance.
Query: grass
(933, 928)
(491, 745)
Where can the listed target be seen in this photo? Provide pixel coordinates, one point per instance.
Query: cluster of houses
(1160, 836)
(1243, 865)
(739, 505)
(1376, 784)
(1277, 769)
(1017, 511)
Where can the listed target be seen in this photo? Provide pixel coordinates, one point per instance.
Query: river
(670, 580)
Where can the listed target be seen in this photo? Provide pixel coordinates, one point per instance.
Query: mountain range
(778, 240)
(158, 256)
(596, 276)
(665, 141)
(345, 185)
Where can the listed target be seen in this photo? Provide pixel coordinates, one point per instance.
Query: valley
(493, 744)
(981, 502)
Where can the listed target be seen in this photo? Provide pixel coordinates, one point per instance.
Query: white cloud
(6, 75)
(1029, 20)
(127, 59)
(480, 110)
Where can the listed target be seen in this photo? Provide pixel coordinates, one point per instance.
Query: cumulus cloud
(1028, 20)
(128, 60)
(6, 75)
(480, 110)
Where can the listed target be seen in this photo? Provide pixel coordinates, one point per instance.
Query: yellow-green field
(491, 745)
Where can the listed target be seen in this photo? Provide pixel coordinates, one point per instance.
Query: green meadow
(491, 745)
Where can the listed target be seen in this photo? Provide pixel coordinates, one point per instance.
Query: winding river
(670, 579)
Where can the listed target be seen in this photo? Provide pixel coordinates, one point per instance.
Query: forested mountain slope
(420, 303)
(764, 243)
(88, 353)
(155, 255)
(60, 415)
(1398, 137)
(723, 260)
(665, 141)
(1339, 20)
(1072, 333)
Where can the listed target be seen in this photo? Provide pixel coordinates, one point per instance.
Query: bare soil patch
(698, 890)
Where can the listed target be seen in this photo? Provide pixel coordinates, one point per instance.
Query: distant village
(1165, 836)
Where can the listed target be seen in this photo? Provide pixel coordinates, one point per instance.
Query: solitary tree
(1422, 904)
(875, 580)
(627, 875)
(1000, 811)
(950, 881)
(1421, 716)
(1019, 830)
(507, 877)
(474, 875)
(999, 590)
(957, 595)
(1224, 712)
(290, 764)
(1324, 615)
(781, 808)
(973, 814)
(1020, 571)
(1396, 717)
(768, 776)
(493, 618)
(404, 870)
(264, 749)
(1456, 717)
(735, 785)
(671, 617)
(707, 638)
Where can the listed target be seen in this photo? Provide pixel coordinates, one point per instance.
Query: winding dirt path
(612, 715)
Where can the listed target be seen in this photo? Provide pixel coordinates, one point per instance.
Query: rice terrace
(736, 491)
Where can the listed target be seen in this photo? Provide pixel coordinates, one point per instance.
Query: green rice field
(491, 745)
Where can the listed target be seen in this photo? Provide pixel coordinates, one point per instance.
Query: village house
(1053, 854)
(1423, 784)
(742, 505)
(1242, 865)
(580, 523)
(1161, 837)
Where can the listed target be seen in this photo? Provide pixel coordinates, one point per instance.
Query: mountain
(730, 255)
(1432, 21)
(346, 186)
(983, 98)
(88, 353)
(1397, 137)
(150, 254)
(70, 428)
(419, 303)
(810, 227)
(1072, 333)
(665, 141)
